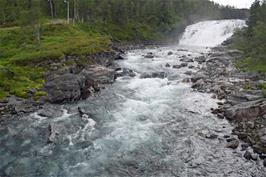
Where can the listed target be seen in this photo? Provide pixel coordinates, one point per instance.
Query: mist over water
(141, 127)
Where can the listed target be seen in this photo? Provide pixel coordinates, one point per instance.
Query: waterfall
(210, 33)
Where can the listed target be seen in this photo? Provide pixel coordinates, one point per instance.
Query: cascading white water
(210, 33)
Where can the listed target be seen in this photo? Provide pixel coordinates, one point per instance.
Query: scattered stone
(184, 64)
(167, 65)
(200, 59)
(188, 60)
(180, 66)
(227, 136)
(161, 75)
(186, 80)
(247, 155)
(149, 55)
(198, 84)
(254, 156)
(232, 143)
(188, 73)
(119, 57)
(54, 132)
(170, 53)
(244, 146)
(50, 112)
(211, 136)
(122, 72)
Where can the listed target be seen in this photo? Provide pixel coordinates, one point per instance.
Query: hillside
(252, 40)
(36, 32)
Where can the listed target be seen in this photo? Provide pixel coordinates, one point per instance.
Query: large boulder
(73, 87)
(64, 88)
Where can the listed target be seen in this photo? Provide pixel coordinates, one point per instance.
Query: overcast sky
(236, 3)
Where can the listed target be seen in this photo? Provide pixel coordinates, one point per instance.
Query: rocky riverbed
(242, 101)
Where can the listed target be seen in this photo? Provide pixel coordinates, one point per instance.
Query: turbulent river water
(143, 127)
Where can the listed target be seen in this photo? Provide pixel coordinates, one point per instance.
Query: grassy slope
(20, 53)
(254, 59)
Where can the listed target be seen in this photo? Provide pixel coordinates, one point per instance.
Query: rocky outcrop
(73, 87)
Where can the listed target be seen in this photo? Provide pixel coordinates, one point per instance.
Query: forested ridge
(136, 17)
(38, 31)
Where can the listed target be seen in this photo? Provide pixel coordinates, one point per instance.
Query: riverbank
(70, 79)
(62, 64)
(243, 102)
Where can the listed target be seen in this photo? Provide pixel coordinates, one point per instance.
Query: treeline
(162, 15)
(252, 40)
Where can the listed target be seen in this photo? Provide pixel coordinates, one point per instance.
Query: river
(139, 126)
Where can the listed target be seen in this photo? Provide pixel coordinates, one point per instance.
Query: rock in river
(232, 143)
(149, 55)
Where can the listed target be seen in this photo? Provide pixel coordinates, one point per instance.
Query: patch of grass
(251, 64)
(263, 88)
(3, 95)
(39, 94)
(22, 55)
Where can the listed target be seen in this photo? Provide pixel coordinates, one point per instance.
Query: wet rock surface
(243, 103)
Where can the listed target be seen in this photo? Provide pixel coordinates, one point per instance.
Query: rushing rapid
(150, 125)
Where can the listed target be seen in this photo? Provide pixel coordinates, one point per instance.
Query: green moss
(252, 64)
(40, 94)
(264, 93)
(3, 95)
(247, 86)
